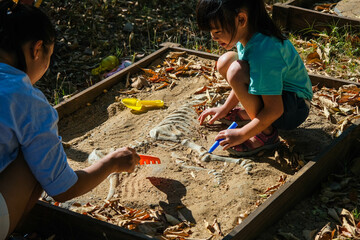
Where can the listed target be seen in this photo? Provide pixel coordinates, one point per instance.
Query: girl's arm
(272, 110)
(219, 112)
(122, 160)
(230, 102)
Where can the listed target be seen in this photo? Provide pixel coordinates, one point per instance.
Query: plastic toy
(138, 105)
(148, 159)
(216, 144)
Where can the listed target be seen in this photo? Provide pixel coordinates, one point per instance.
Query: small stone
(88, 51)
(128, 27)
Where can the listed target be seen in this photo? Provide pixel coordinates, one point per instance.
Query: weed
(338, 48)
(356, 214)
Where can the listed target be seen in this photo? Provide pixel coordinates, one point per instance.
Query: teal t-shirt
(274, 66)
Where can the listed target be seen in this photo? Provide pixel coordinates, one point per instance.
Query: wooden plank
(316, 79)
(295, 18)
(280, 15)
(47, 219)
(329, 82)
(299, 186)
(302, 3)
(210, 56)
(302, 183)
(88, 95)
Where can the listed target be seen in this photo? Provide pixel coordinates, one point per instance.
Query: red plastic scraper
(148, 159)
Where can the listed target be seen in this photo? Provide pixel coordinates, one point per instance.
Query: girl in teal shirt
(266, 74)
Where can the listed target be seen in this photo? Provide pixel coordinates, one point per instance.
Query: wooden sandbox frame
(48, 219)
(295, 15)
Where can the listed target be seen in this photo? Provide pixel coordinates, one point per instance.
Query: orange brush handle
(148, 159)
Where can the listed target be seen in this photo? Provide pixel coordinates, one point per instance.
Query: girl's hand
(124, 159)
(218, 113)
(121, 160)
(231, 137)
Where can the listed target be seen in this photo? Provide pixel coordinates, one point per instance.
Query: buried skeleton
(176, 127)
(203, 186)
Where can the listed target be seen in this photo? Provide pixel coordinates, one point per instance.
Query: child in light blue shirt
(32, 158)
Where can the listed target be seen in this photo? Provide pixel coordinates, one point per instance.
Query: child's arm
(219, 112)
(122, 160)
(272, 110)
(230, 102)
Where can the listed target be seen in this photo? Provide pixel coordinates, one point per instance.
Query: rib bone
(175, 126)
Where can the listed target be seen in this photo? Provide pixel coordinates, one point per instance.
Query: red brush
(148, 159)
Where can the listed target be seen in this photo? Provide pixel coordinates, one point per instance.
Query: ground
(200, 191)
(203, 190)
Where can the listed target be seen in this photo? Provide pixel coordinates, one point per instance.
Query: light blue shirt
(28, 122)
(274, 66)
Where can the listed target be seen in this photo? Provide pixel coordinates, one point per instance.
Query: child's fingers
(203, 116)
(201, 119)
(136, 158)
(226, 143)
(220, 136)
(226, 146)
(212, 120)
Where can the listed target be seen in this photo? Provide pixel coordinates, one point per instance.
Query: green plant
(338, 48)
(356, 214)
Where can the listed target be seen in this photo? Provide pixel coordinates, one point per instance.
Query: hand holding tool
(216, 144)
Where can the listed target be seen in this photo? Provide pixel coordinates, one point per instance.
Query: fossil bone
(114, 182)
(95, 156)
(178, 124)
(205, 156)
(175, 126)
(199, 149)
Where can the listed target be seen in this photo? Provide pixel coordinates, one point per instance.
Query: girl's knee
(20, 190)
(225, 61)
(239, 72)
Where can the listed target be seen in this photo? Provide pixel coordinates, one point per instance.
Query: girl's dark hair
(20, 24)
(222, 13)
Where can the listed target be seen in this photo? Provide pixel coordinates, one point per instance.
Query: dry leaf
(332, 212)
(325, 233)
(139, 83)
(209, 227)
(216, 227)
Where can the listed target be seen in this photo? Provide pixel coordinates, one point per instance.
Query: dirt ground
(182, 183)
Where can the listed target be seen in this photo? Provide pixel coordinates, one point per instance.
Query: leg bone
(199, 149)
(205, 156)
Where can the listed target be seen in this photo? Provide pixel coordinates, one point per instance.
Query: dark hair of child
(221, 14)
(20, 24)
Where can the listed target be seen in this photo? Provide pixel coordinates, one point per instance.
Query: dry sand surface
(183, 186)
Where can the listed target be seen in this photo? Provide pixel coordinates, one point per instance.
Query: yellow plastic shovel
(138, 105)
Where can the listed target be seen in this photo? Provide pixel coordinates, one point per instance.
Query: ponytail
(261, 22)
(20, 24)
